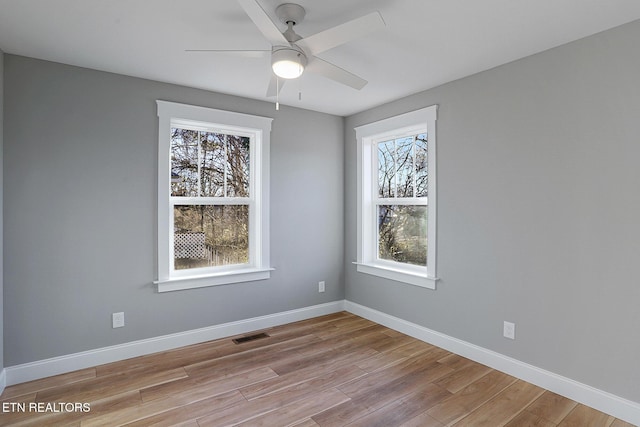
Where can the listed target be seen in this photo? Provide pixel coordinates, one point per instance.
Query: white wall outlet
(509, 330)
(117, 320)
(321, 286)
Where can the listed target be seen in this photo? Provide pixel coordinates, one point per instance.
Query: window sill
(228, 277)
(398, 275)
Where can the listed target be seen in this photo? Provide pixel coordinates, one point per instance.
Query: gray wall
(1, 209)
(80, 212)
(538, 211)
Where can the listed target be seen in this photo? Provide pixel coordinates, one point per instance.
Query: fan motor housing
(290, 12)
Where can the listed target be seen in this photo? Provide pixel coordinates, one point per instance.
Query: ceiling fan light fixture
(288, 62)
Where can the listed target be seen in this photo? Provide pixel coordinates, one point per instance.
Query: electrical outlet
(321, 286)
(509, 330)
(117, 320)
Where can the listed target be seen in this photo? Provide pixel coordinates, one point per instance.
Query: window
(396, 198)
(212, 197)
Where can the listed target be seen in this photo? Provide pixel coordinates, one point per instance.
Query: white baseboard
(86, 359)
(605, 402)
(3, 380)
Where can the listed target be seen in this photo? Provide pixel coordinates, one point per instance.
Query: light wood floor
(335, 370)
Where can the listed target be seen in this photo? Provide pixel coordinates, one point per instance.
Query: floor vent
(250, 338)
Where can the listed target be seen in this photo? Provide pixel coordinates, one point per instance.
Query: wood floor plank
(187, 424)
(284, 339)
(108, 405)
(393, 333)
(271, 345)
(197, 388)
(344, 373)
(309, 326)
(462, 376)
(289, 415)
(386, 343)
(503, 407)
(403, 409)
(552, 407)
(349, 327)
(329, 371)
(151, 409)
(45, 383)
(417, 364)
(422, 420)
(31, 397)
(338, 341)
(395, 356)
(362, 403)
(380, 361)
(169, 359)
(306, 423)
(351, 323)
(100, 387)
(583, 416)
(327, 356)
(416, 347)
(456, 361)
(264, 404)
(189, 413)
(528, 419)
(246, 361)
(244, 410)
(348, 322)
(471, 397)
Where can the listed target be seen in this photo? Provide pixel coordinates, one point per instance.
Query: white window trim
(258, 127)
(366, 135)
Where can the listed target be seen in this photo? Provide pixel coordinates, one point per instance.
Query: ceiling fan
(291, 55)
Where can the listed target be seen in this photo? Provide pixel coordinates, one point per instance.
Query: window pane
(210, 235)
(237, 166)
(184, 162)
(386, 169)
(404, 166)
(402, 233)
(213, 164)
(421, 165)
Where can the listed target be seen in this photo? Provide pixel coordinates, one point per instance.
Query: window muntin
(212, 197)
(396, 198)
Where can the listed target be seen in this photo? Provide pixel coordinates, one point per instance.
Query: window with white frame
(212, 197)
(396, 198)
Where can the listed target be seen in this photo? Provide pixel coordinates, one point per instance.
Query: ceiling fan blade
(333, 72)
(327, 39)
(234, 52)
(275, 86)
(263, 22)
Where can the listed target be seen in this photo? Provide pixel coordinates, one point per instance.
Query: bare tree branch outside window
(205, 165)
(402, 174)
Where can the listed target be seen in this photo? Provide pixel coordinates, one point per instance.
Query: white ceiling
(425, 43)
